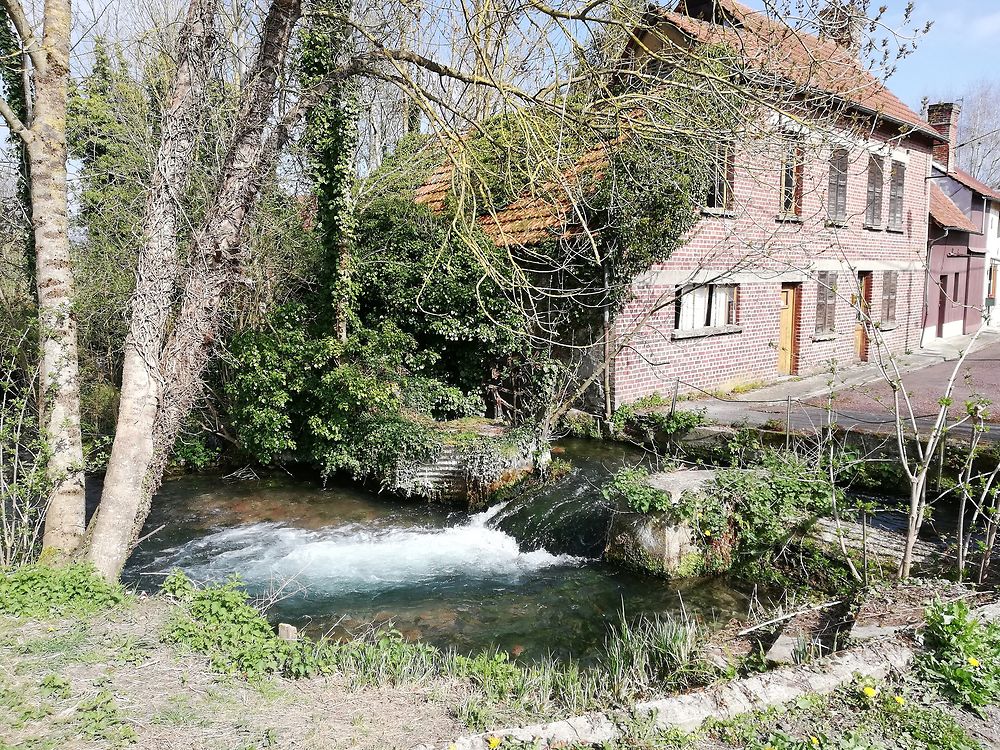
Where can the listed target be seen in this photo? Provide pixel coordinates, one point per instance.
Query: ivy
(331, 139)
(360, 406)
(411, 271)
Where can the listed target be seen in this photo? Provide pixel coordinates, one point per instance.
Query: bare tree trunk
(156, 272)
(215, 265)
(59, 367)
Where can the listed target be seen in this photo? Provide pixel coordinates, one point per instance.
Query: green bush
(753, 509)
(220, 622)
(962, 655)
(632, 486)
(646, 418)
(770, 498)
(44, 591)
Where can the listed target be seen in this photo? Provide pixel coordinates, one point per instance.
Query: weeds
(100, 719)
(41, 591)
(962, 655)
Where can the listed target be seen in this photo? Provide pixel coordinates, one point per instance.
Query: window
(890, 281)
(956, 298)
(720, 186)
(876, 179)
(896, 195)
(791, 177)
(836, 200)
(826, 302)
(711, 306)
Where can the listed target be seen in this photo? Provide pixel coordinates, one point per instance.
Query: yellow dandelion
(973, 661)
(708, 532)
(869, 691)
(899, 699)
(493, 742)
(814, 741)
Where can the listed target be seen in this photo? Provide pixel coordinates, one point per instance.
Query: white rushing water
(356, 558)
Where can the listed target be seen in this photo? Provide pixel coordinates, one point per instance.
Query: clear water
(523, 575)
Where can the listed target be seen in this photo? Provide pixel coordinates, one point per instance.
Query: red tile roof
(947, 214)
(803, 59)
(529, 220)
(971, 182)
(807, 61)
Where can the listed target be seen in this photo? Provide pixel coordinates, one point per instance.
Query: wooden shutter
(822, 295)
(837, 195)
(896, 195)
(730, 175)
(831, 303)
(873, 206)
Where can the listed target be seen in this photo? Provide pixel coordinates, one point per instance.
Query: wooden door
(863, 305)
(788, 345)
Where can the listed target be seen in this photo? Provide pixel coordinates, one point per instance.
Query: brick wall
(749, 247)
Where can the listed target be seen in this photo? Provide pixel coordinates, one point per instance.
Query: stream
(523, 575)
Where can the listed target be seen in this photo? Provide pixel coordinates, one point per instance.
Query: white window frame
(707, 306)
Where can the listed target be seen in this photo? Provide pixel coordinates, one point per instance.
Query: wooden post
(673, 399)
(788, 422)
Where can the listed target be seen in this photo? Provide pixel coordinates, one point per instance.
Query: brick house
(964, 246)
(848, 231)
(802, 232)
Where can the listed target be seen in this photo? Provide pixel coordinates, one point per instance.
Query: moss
(692, 565)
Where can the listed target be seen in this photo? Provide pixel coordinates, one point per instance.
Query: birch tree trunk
(59, 367)
(156, 272)
(215, 264)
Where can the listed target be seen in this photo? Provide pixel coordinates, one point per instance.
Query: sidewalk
(863, 399)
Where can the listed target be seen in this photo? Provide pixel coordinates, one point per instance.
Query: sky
(962, 48)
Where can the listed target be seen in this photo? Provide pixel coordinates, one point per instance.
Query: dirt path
(51, 674)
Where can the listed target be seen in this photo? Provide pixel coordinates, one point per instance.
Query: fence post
(788, 422)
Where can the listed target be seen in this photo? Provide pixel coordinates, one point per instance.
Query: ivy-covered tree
(331, 137)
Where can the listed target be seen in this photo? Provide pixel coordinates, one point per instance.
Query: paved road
(862, 398)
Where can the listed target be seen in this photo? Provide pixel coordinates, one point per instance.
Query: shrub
(962, 655)
(43, 591)
(770, 498)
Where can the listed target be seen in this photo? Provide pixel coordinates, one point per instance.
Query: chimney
(943, 117)
(841, 22)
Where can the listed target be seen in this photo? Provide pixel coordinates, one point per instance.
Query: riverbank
(120, 677)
